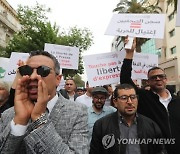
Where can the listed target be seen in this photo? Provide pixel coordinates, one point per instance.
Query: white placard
(178, 15)
(67, 56)
(12, 67)
(102, 69)
(4, 62)
(137, 25)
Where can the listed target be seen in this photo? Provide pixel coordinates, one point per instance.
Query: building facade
(168, 49)
(9, 23)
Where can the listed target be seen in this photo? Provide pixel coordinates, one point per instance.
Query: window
(171, 16)
(173, 50)
(159, 52)
(165, 52)
(172, 33)
(5, 13)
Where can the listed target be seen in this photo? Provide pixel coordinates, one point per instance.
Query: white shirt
(84, 99)
(166, 101)
(19, 130)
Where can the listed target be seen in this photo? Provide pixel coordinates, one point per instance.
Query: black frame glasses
(125, 98)
(101, 99)
(160, 76)
(43, 71)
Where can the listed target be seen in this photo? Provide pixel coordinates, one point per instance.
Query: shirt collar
(121, 119)
(92, 110)
(51, 103)
(169, 95)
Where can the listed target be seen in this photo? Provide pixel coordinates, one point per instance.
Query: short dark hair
(70, 78)
(106, 86)
(155, 68)
(47, 54)
(122, 86)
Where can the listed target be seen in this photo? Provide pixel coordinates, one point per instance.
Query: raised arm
(125, 75)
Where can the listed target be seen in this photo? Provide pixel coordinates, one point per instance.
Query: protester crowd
(125, 119)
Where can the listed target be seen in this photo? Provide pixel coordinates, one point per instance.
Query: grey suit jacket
(66, 132)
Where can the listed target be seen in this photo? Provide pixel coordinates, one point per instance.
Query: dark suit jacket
(66, 132)
(65, 94)
(108, 126)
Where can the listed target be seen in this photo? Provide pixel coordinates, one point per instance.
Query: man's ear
(58, 79)
(115, 102)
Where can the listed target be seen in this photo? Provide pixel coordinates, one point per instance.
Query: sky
(92, 14)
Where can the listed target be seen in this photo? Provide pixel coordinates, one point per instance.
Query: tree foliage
(79, 82)
(137, 6)
(37, 30)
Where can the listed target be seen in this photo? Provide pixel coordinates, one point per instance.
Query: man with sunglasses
(125, 131)
(157, 103)
(42, 122)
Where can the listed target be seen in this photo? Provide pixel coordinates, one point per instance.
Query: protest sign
(137, 25)
(67, 56)
(4, 62)
(102, 69)
(12, 67)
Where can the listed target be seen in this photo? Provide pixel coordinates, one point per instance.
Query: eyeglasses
(125, 98)
(28, 70)
(160, 76)
(101, 99)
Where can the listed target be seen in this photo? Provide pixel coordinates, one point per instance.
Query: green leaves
(37, 30)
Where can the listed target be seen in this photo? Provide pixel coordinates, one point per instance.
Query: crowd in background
(87, 114)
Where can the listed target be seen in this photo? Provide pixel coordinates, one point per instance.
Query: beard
(98, 105)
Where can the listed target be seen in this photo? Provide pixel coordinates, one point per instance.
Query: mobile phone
(130, 42)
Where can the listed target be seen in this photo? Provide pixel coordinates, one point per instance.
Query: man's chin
(33, 98)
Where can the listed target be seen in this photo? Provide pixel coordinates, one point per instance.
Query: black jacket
(150, 106)
(109, 126)
(65, 94)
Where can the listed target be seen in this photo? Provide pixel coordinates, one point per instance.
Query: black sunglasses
(160, 76)
(41, 70)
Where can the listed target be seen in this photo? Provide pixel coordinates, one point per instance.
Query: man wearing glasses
(126, 131)
(157, 103)
(98, 109)
(40, 122)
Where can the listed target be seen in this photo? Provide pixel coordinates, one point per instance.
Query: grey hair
(5, 85)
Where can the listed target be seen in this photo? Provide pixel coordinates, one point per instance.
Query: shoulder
(144, 118)
(71, 106)
(8, 114)
(80, 97)
(147, 121)
(109, 109)
(63, 91)
(106, 118)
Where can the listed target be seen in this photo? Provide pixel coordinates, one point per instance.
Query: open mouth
(129, 108)
(33, 89)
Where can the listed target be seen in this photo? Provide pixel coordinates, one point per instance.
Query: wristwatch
(39, 121)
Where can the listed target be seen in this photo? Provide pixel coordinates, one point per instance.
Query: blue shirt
(93, 116)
